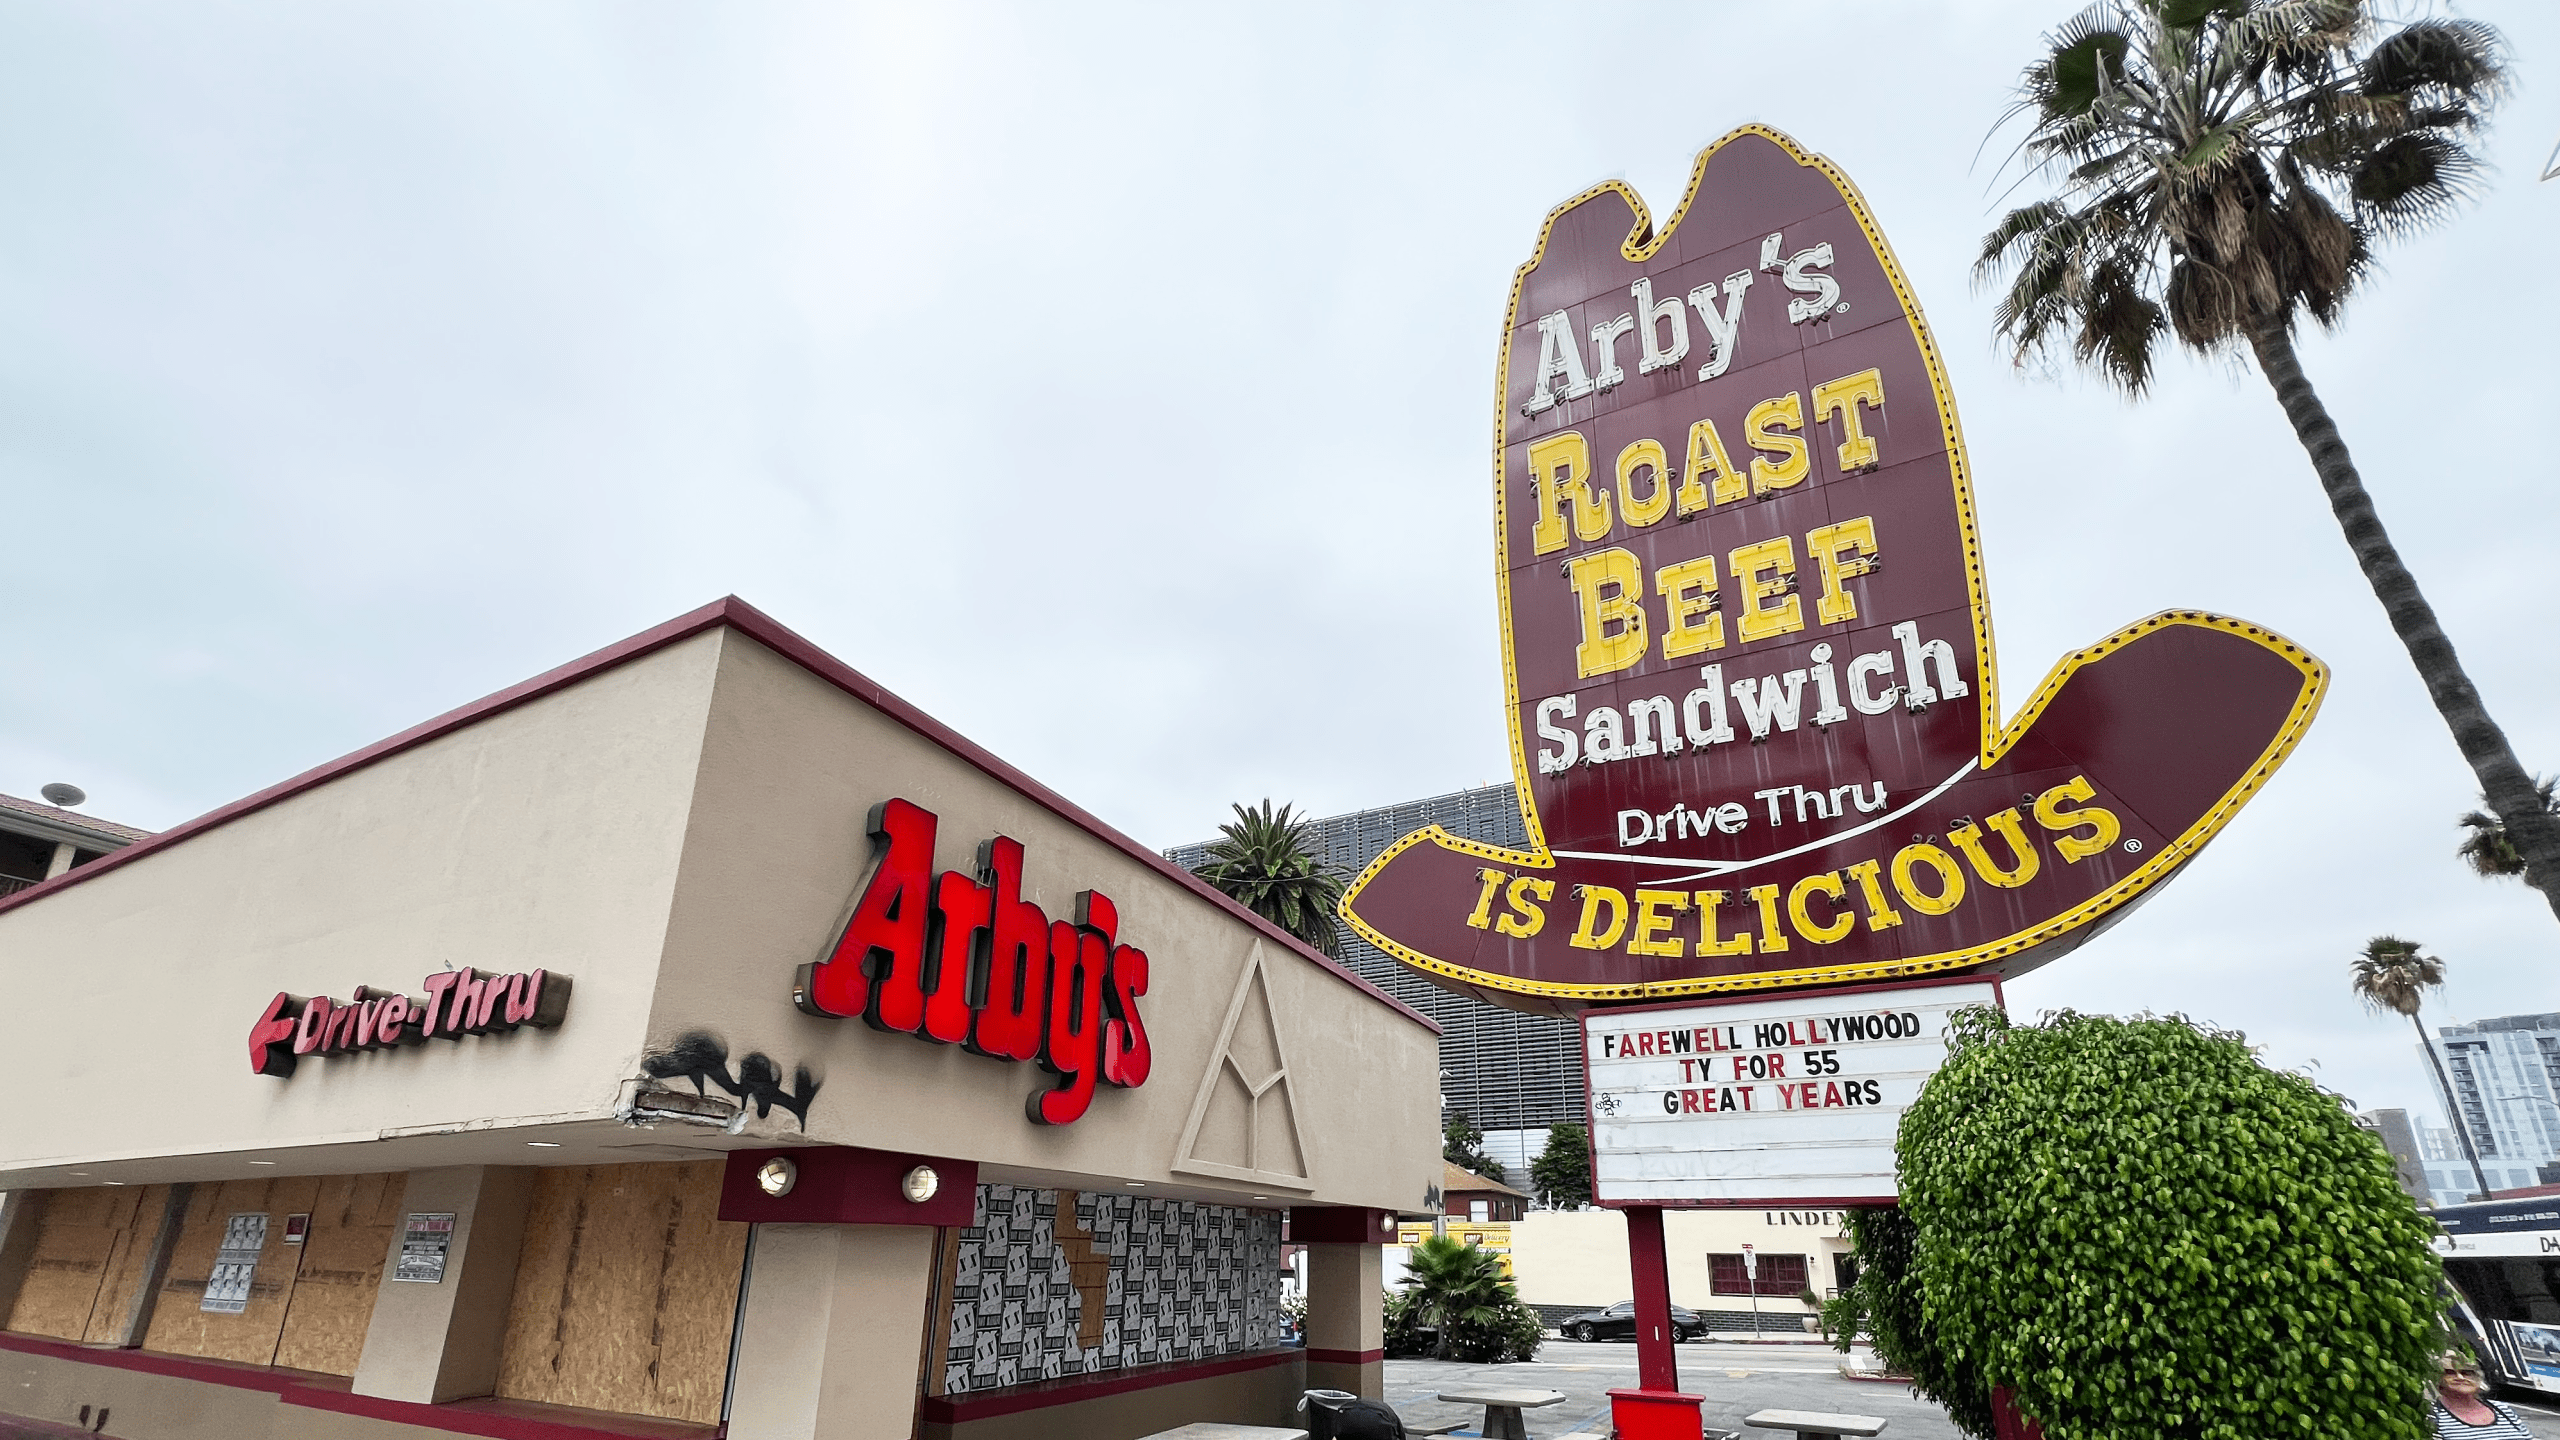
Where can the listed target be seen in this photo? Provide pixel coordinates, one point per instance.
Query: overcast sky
(1114, 382)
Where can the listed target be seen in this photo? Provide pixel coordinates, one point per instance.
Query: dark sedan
(1618, 1322)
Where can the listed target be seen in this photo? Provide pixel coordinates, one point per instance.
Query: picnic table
(1502, 1407)
(1218, 1430)
(1814, 1424)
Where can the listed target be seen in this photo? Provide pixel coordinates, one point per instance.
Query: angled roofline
(736, 614)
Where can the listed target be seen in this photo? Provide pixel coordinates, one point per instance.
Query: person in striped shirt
(2463, 1412)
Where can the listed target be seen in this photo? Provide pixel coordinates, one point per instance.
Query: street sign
(1785, 1101)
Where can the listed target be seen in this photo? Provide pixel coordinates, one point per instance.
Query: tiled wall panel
(1134, 1281)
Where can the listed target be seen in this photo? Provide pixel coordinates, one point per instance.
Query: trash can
(1320, 1407)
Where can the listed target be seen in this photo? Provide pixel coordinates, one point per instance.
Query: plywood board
(178, 1325)
(626, 1292)
(85, 1232)
(128, 1268)
(341, 1269)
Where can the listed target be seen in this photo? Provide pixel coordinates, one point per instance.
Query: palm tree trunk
(2452, 1107)
(2510, 791)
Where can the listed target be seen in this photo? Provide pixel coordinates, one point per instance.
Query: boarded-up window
(90, 1254)
(308, 1304)
(342, 1260)
(626, 1292)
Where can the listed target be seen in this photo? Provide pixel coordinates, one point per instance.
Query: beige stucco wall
(1579, 1257)
(791, 766)
(543, 836)
(679, 833)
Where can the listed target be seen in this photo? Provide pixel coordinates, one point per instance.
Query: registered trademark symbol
(2133, 847)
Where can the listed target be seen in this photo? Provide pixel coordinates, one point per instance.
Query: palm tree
(1264, 864)
(2486, 849)
(1460, 1284)
(2391, 975)
(2227, 167)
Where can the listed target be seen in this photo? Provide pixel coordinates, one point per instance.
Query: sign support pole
(1751, 1282)
(1655, 1410)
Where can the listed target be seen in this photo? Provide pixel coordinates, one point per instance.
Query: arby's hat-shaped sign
(1746, 648)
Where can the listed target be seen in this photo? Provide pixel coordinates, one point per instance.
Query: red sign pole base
(1657, 1415)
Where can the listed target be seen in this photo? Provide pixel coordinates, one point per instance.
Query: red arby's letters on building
(457, 1003)
(956, 959)
(1747, 645)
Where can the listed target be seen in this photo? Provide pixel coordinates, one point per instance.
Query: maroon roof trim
(746, 619)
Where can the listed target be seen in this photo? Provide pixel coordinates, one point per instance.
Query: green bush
(1885, 1303)
(2140, 1231)
(1408, 1325)
(1508, 1335)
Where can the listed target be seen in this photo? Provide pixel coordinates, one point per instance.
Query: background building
(39, 841)
(1514, 1075)
(2505, 1074)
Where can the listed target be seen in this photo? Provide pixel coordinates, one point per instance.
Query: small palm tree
(1459, 1284)
(2486, 849)
(2392, 976)
(1264, 864)
(2226, 168)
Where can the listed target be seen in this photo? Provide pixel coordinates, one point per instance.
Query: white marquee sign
(1792, 1100)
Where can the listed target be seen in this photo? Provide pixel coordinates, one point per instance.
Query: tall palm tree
(2391, 975)
(2226, 167)
(2486, 849)
(1264, 864)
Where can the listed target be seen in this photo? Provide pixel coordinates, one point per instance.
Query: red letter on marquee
(888, 923)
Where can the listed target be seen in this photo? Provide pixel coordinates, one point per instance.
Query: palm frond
(2486, 849)
(2413, 181)
(2452, 71)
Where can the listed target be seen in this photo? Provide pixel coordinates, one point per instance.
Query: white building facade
(2505, 1074)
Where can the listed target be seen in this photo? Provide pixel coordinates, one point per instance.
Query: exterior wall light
(776, 1176)
(919, 1184)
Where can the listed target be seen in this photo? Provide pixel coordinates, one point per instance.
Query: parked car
(1618, 1322)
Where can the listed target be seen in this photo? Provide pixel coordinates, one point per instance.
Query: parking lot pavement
(1735, 1379)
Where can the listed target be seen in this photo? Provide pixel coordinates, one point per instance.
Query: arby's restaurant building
(693, 1040)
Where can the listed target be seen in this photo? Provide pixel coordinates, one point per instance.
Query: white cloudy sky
(1113, 382)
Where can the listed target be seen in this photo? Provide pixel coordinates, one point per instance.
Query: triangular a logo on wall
(1244, 1123)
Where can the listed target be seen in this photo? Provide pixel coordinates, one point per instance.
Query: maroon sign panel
(1747, 650)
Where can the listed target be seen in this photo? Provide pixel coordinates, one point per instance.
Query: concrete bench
(1814, 1424)
(1502, 1408)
